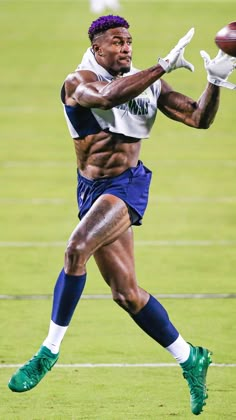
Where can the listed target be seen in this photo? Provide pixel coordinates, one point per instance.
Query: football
(225, 39)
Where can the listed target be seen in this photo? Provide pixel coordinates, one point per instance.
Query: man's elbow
(205, 124)
(106, 103)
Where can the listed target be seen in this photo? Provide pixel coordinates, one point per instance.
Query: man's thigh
(116, 262)
(106, 220)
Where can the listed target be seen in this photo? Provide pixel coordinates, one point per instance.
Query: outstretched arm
(197, 114)
(84, 88)
(201, 113)
(97, 94)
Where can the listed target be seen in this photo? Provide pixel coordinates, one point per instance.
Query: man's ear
(97, 50)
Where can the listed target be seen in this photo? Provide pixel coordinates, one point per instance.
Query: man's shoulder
(78, 76)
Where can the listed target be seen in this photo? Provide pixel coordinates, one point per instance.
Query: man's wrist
(217, 81)
(164, 64)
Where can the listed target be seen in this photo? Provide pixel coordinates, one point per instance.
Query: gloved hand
(175, 59)
(219, 69)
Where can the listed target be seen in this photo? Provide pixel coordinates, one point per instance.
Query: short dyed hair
(103, 23)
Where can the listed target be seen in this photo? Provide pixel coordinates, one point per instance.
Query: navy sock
(67, 292)
(154, 320)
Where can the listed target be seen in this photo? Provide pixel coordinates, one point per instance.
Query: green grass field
(186, 245)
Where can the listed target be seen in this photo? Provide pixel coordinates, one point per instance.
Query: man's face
(113, 50)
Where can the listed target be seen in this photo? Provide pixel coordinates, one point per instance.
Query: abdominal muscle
(106, 154)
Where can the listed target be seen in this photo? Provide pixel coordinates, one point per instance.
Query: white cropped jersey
(134, 118)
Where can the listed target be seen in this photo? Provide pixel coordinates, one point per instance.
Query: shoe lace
(35, 367)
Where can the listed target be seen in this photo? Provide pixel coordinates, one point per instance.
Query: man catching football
(109, 107)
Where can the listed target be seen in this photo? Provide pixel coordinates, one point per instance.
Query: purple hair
(103, 23)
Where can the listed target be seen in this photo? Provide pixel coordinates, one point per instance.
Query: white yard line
(162, 162)
(153, 199)
(119, 365)
(154, 243)
(102, 296)
(192, 199)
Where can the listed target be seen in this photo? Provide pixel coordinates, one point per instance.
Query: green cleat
(195, 371)
(31, 373)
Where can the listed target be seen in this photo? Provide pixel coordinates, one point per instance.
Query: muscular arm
(84, 88)
(197, 114)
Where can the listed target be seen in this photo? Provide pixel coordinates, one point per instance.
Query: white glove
(175, 59)
(219, 69)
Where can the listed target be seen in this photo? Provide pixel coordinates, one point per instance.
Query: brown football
(225, 39)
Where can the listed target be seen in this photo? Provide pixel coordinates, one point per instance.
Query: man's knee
(76, 256)
(128, 299)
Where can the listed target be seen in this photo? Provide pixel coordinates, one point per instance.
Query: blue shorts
(132, 186)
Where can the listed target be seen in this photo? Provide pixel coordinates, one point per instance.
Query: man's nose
(126, 47)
